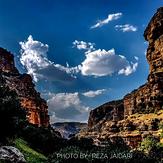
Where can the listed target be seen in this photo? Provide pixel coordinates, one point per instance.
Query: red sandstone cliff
(36, 107)
(139, 112)
(149, 97)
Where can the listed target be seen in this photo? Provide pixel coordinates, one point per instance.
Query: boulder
(11, 154)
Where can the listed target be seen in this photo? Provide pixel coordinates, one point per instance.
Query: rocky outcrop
(149, 97)
(112, 111)
(115, 118)
(11, 154)
(36, 107)
(7, 62)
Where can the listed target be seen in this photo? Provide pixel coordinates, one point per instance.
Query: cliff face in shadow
(112, 111)
(36, 107)
(139, 112)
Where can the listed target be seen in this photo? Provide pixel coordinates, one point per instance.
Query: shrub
(45, 140)
(148, 143)
(11, 114)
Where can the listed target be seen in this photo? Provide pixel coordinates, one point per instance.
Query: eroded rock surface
(36, 107)
(138, 112)
(11, 154)
(149, 97)
(112, 111)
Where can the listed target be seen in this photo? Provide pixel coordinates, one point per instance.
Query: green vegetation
(161, 131)
(12, 116)
(41, 145)
(152, 147)
(75, 154)
(30, 155)
(44, 140)
(148, 143)
(82, 151)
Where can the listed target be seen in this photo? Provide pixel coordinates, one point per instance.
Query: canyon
(131, 119)
(140, 112)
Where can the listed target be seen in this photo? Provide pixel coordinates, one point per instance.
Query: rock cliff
(112, 111)
(140, 111)
(149, 97)
(36, 107)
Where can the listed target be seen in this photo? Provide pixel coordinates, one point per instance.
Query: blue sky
(80, 53)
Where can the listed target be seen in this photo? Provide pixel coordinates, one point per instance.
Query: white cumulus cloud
(110, 18)
(94, 93)
(34, 59)
(97, 62)
(126, 28)
(67, 106)
(82, 45)
(102, 63)
(129, 69)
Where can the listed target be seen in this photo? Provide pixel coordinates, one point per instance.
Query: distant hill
(68, 129)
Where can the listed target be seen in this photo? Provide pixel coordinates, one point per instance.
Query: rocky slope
(36, 107)
(68, 129)
(140, 112)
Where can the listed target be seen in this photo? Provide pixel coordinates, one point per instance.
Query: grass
(30, 155)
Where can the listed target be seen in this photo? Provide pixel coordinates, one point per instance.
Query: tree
(148, 143)
(11, 113)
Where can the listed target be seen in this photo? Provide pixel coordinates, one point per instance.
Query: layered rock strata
(36, 107)
(139, 113)
(149, 97)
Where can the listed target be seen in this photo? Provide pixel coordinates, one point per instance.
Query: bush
(84, 143)
(11, 114)
(45, 140)
(153, 148)
(82, 151)
(148, 144)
